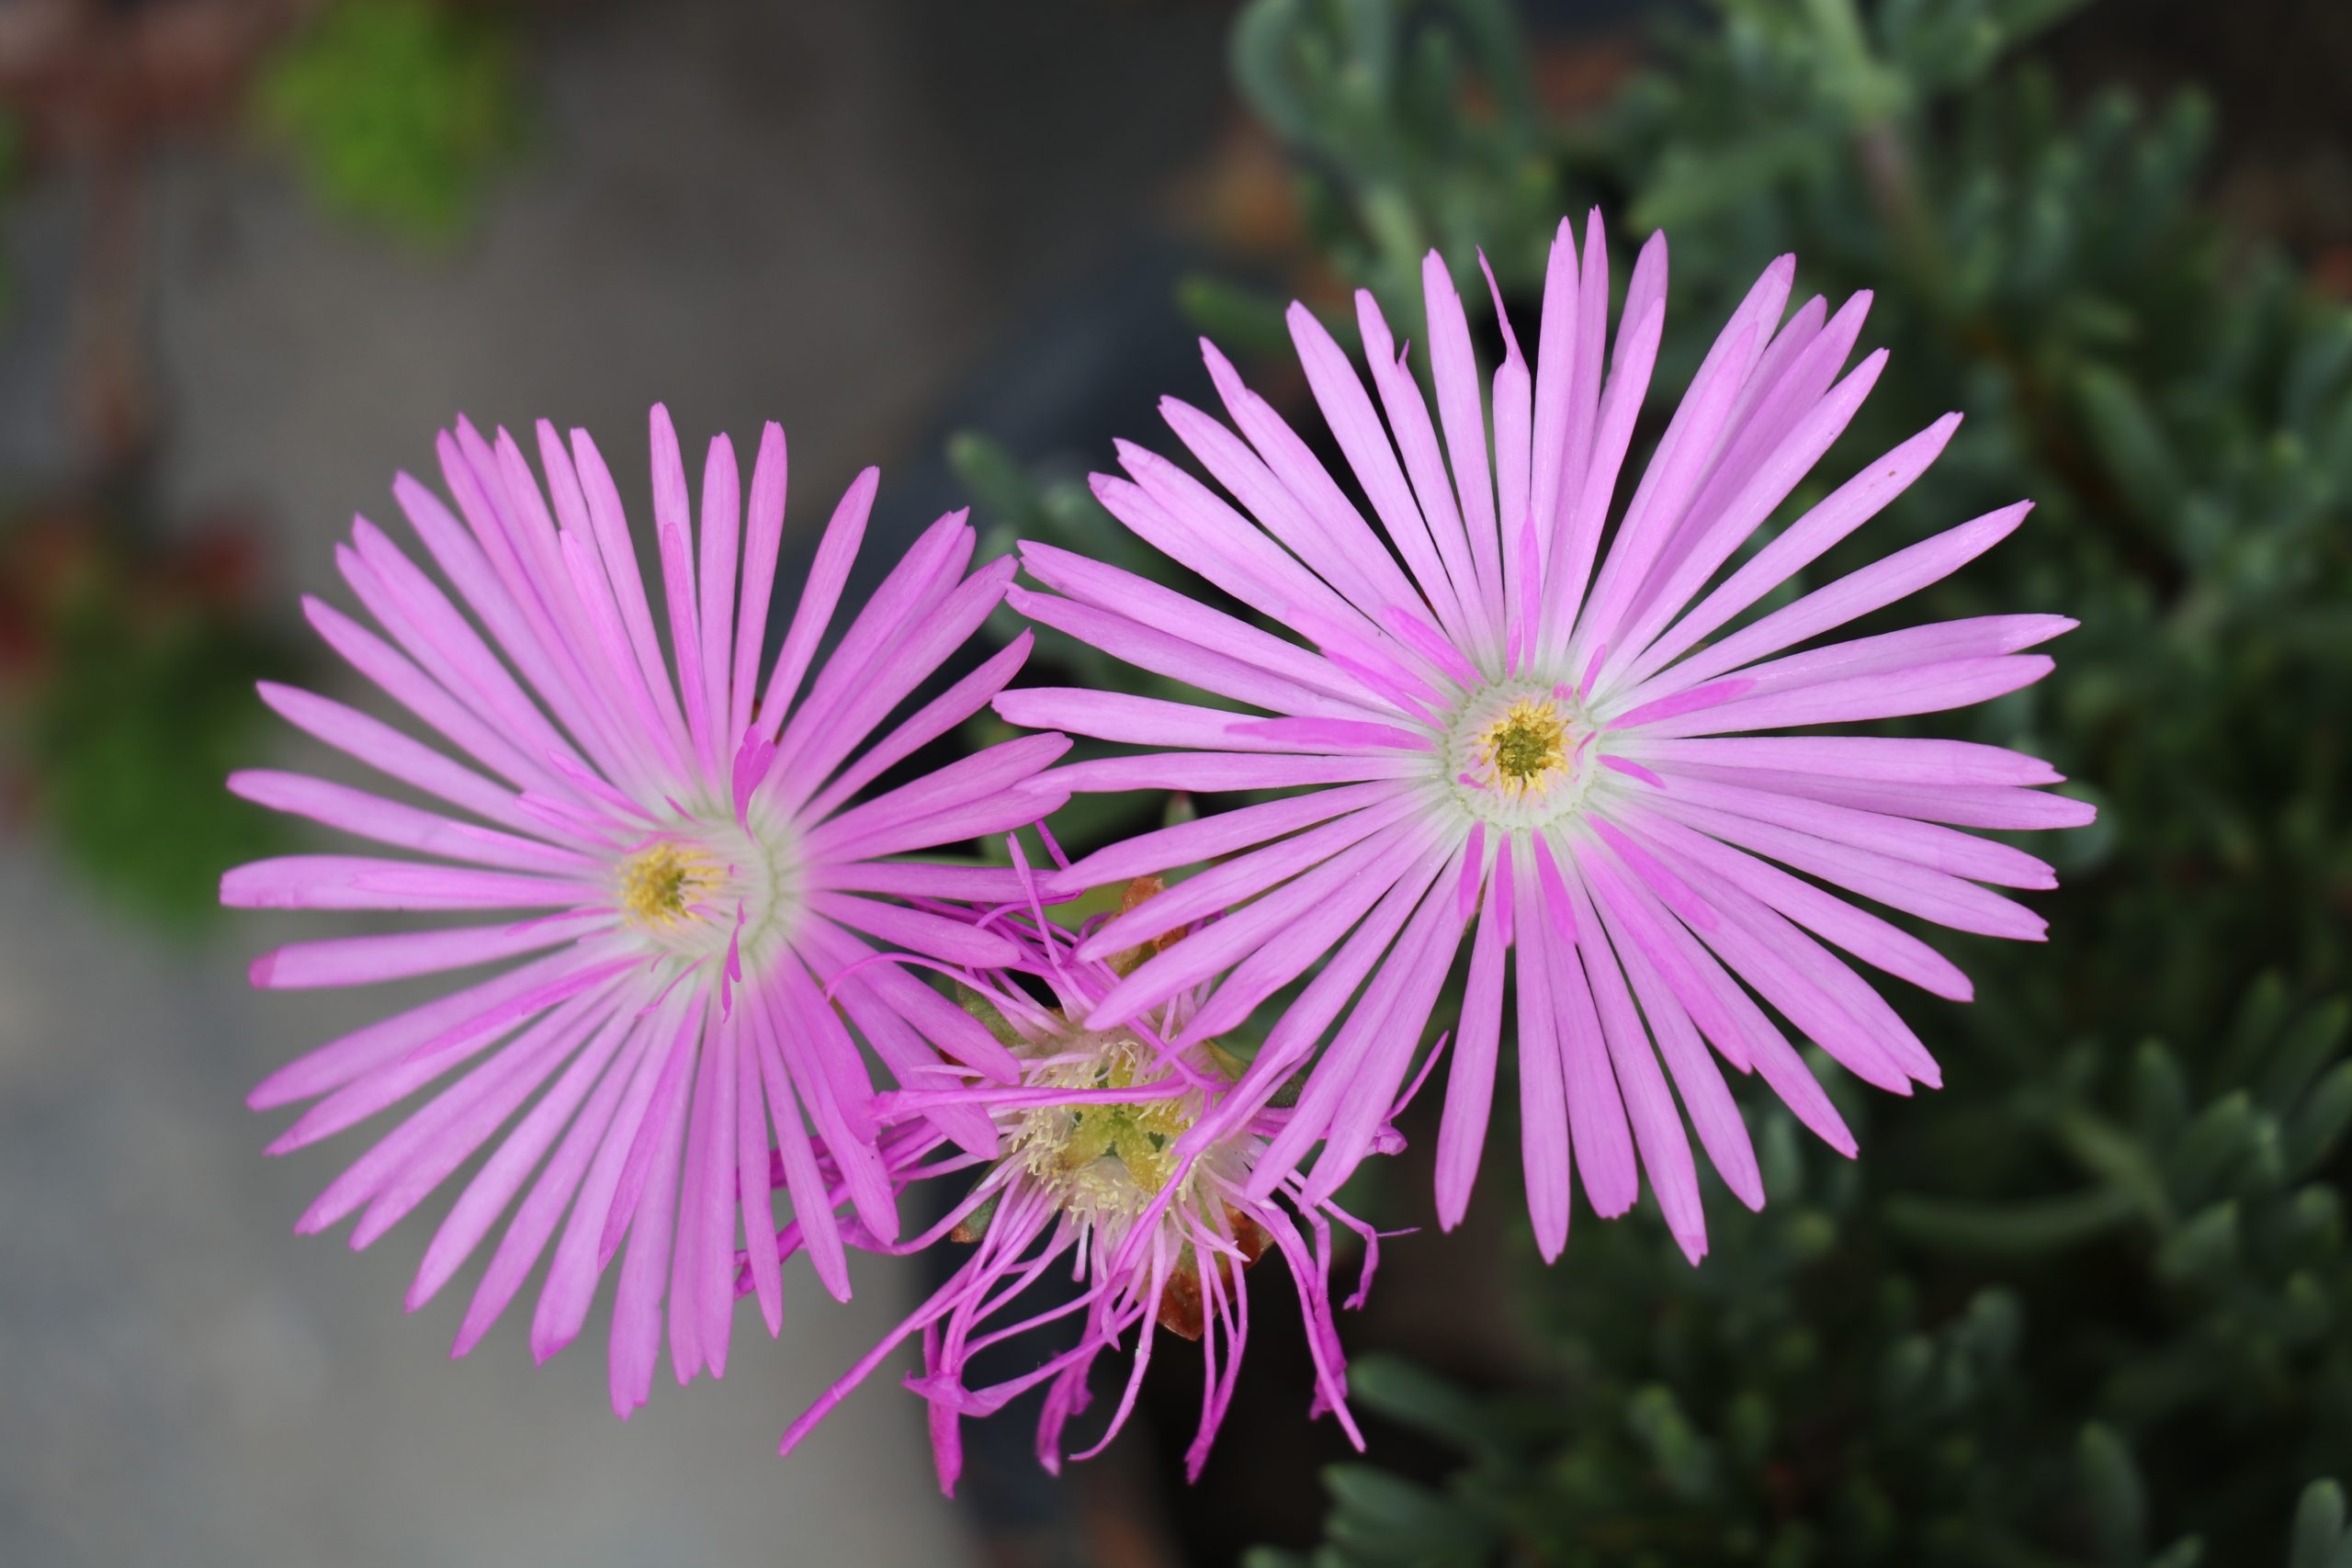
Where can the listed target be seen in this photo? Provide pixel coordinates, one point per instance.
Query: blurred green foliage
(129, 698)
(2068, 1376)
(395, 111)
(2086, 1307)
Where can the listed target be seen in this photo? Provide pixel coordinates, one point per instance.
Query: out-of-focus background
(254, 252)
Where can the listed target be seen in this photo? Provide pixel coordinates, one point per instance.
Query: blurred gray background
(827, 214)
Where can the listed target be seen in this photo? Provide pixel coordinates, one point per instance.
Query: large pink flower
(1486, 728)
(694, 880)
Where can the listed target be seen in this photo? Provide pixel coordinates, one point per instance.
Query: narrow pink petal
(1728, 1016)
(1391, 1017)
(1513, 394)
(910, 1026)
(571, 1277)
(1664, 1149)
(395, 755)
(715, 1211)
(524, 1067)
(762, 537)
(1609, 1171)
(1965, 806)
(1224, 943)
(609, 528)
(503, 1175)
(969, 783)
(926, 724)
(1796, 547)
(812, 1207)
(1207, 838)
(1184, 519)
(480, 1097)
(1117, 716)
(861, 685)
(1332, 734)
(1356, 426)
(1474, 870)
(1811, 987)
(400, 678)
(353, 1055)
(1302, 1023)
(431, 631)
(1232, 881)
(831, 1079)
(1960, 854)
(1026, 803)
(1670, 480)
(1470, 1078)
(1453, 368)
(1866, 936)
(1292, 950)
(1978, 636)
(1933, 688)
(672, 533)
(680, 1024)
(1714, 1116)
(1577, 537)
(1557, 359)
(527, 1235)
(722, 529)
(549, 671)
(357, 882)
(819, 595)
(365, 960)
(1140, 598)
(1408, 417)
(1904, 885)
(1871, 758)
(386, 821)
(1216, 773)
(1713, 539)
(936, 935)
(1546, 1156)
(752, 1190)
(1293, 496)
(1675, 704)
(1583, 409)
(1163, 653)
(637, 1305)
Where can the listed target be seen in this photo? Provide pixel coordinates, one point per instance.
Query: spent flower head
(1104, 1219)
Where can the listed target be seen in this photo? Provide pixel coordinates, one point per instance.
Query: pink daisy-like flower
(1089, 1185)
(698, 893)
(1489, 729)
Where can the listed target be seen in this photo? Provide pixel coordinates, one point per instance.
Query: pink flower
(1090, 1184)
(1488, 730)
(692, 881)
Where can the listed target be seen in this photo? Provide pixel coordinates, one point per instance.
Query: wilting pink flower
(1487, 727)
(1089, 1187)
(697, 887)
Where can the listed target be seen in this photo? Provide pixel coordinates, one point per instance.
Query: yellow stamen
(1527, 746)
(662, 883)
(1105, 1158)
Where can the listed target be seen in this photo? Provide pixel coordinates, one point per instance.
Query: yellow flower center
(660, 884)
(1527, 746)
(1102, 1158)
